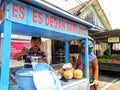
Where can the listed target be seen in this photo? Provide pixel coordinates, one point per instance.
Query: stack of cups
(34, 61)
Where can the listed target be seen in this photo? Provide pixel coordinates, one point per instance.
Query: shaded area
(103, 36)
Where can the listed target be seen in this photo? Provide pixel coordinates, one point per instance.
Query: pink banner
(17, 46)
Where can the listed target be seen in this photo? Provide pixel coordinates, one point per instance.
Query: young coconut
(77, 74)
(61, 71)
(72, 69)
(68, 74)
(67, 66)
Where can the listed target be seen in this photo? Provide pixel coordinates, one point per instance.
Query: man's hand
(41, 60)
(18, 55)
(24, 51)
(96, 82)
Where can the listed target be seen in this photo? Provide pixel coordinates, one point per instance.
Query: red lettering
(55, 23)
(17, 11)
(66, 26)
(71, 27)
(58, 23)
(82, 31)
(14, 10)
(63, 25)
(21, 15)
(39, 18)
(34, 16)
(74, 28)
(46, 20)
(79, 32)
(51, 21)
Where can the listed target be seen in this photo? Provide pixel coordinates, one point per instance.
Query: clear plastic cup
(34, 61)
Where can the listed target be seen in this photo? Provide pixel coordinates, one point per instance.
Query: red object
(17, 46)
(2, 11)
(17, 11)
(114, 60)
(36, 17)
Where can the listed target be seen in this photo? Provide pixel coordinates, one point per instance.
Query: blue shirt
(91, 57)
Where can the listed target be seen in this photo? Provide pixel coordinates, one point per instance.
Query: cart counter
(74, 84)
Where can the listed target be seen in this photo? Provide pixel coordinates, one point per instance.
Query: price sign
(113, 39)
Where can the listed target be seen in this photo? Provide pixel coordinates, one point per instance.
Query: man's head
(90, 46)
(35, 43)
(82, 49)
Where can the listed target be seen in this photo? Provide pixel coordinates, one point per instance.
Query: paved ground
(102, 84)
(109, 85)
(109, 81)
(114, 86)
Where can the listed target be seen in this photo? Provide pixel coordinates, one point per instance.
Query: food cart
(39, 18)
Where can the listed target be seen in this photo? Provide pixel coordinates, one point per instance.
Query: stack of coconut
(68, 72)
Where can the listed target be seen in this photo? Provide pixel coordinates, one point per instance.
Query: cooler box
(24, 79)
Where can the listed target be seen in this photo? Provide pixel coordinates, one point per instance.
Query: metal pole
(86, 58)
(0, 55)
(6, 56)
(66, 52)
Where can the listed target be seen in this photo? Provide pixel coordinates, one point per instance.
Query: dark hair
(35, 38)
(90, 45)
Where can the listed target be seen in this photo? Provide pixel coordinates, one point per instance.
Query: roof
(76, 10)
(82, 7)
(103, 36)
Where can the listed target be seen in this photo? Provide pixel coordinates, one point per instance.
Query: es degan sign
(24, 14)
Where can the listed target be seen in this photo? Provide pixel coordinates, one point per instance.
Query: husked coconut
(68, 74)
(77, 74)
(72, 69)
(61, 71)
(67, 66)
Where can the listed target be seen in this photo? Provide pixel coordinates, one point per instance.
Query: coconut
(61, 71)
(77, 74)
(68, 74)
(67, 66)
(72, 69)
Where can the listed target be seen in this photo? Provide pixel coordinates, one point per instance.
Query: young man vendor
(93, 64)
(33, 51)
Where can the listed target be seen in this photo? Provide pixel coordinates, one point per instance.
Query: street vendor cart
(39, 18)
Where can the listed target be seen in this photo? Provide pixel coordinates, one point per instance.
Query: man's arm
(96, 71)
(17, 56)
(95, 67)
